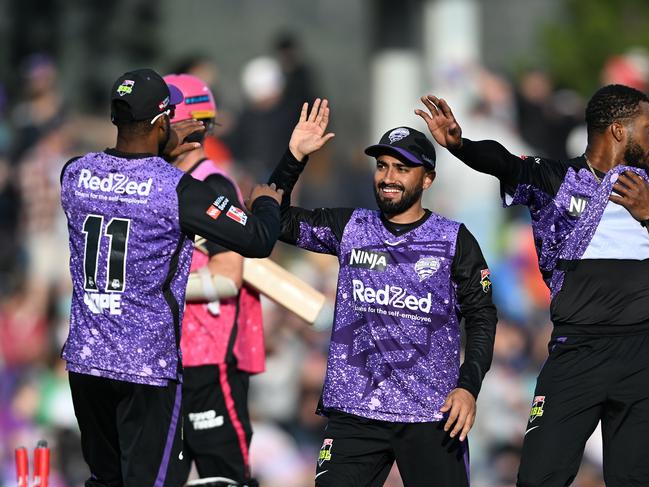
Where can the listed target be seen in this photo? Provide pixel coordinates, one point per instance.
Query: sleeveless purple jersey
(129, 262)
(395, 348)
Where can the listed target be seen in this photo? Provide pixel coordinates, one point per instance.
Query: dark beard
(162, 145)
(634, 156)
(391, 208)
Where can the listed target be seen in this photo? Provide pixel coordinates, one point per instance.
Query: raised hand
(460, 406)
(264, 190)
(179, 131)
(441, 122)
(309, 134)
(633, 194)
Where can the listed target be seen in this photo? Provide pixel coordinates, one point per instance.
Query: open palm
(441, 122)
(309, 133)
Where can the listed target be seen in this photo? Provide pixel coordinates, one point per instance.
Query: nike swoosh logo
(318, 474)
(395, 243)
(532, 428)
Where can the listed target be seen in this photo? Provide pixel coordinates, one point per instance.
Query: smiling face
(397, 186)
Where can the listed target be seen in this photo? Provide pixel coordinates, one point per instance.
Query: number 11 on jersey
(117, 231)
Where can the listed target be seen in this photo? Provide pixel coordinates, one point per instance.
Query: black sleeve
(471, 275)
(65, 166)
(221, 186)
(318, 230)
(222, 221)
(490, 157)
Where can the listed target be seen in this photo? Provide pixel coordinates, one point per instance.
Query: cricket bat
(279, 285)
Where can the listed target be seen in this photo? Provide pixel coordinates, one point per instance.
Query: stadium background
(518, 71)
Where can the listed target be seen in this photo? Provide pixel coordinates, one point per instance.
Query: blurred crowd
(39, 133)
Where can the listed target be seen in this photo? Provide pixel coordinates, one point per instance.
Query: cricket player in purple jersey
(131, 219)
(394, 388)
(590, 217)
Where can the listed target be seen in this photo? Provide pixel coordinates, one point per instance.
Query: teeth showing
(391, 190)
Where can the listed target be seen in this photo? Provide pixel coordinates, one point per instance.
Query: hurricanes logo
(325, 451)
(426, 267)
(398, 134)
(537, 407)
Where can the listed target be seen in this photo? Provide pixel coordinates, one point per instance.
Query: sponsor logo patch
(394, 296)
(537, 407)
(426, 267)
(164, 103)
(126, 88)
(577, 206)
(206, 420)
(366, 259)
(217, 207)
(485, 281)
(237, 214)
(114, 183)
(325, 451)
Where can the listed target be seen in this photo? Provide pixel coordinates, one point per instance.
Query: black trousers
(588, 379)
(130, 433)
(360, 452)
(217, 430)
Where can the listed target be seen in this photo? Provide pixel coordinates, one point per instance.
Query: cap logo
(163, 104)
(398, 134)
(426, 158)
(126, 88)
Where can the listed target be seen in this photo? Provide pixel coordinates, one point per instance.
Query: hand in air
(441, 122)
(309, 134)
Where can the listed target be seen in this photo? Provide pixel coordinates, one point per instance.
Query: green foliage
(590, 31)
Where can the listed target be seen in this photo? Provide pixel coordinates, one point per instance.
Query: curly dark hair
(612, 103)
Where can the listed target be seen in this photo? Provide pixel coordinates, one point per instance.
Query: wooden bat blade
(287, 290)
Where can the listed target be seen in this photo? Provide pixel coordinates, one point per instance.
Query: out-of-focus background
(518, 71)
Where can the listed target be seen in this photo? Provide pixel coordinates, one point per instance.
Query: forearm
(285, 176)
(478, 351)
(489, 157)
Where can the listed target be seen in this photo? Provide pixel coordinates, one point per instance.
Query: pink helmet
(199, 101)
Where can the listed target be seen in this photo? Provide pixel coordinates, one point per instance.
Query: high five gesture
(309, 133)
(441, 122)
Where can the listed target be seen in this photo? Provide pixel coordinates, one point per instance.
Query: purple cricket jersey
(129, 262)
(395, 347)
(564, 225)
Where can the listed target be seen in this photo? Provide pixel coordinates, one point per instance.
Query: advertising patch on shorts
(537, 407)
(237, 214)
(485, 280)
(325, 451)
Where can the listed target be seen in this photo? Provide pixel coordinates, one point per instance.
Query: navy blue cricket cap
(145, 94)
(406, 144)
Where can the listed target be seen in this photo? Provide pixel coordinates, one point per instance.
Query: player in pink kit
(222, 335)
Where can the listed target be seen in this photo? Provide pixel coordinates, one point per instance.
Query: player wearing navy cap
(394, 388)
(131, 219)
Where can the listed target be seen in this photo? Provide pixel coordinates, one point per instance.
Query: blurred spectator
(42, 105)
(262, 131)
(545, 116)
(299, 80)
